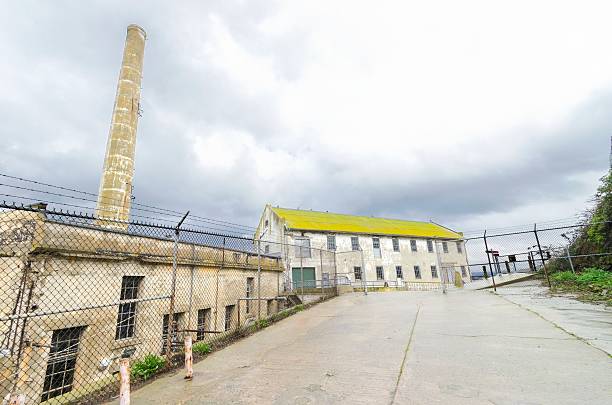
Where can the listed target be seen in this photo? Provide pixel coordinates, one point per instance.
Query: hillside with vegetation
(592, 246)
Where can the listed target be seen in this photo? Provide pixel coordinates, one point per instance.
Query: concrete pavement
(465, 347)
(590, 322)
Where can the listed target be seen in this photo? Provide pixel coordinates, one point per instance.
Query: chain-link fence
(78, 294)
(545, 250)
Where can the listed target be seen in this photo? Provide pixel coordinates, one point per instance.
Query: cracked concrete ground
(590, 322)
(464, 347)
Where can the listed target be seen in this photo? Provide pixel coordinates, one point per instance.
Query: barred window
(331, 242)
(417, 272)
(430, 246)
(380, 275)
(126, 317)
(203, 322)
(396, 247)
(357, 271)
(229, 314)
(176, 319)
(398, 272)
(445, 247)
(61, 363)
(434, 272)
(413, 245)
(354, 242)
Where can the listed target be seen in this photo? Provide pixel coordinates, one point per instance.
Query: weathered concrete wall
(76, 273)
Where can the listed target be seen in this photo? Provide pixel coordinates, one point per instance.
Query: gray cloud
(64, 62)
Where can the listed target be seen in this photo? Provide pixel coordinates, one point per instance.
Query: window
(376, 247)
(176, 318)
(379, 273)
(302, 248)
(126, 317)
(357, 271)
(430, 246)
(434, 272)
(62, 362)
(229, 314)
(395, 242)
(413, 245)
(459, 247)
(267, 249)
(203, 322)
(445, 247)
(266, 223)
(331, 242)
(250, 287)
(464, 272)
(417, 272)
(354, 243)
(398, 272)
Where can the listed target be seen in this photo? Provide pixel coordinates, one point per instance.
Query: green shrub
(201, 348)
(564, 277)
(593, 275)
(148, 366)
(262, 323)
(299, 307)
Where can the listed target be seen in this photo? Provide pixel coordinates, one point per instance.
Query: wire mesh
(79, 293)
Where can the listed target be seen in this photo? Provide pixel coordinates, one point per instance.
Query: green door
(309, 277)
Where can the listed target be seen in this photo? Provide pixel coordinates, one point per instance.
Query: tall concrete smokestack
(115, 193)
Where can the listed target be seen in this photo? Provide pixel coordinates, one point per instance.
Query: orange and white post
(124, 390)
(188, 358)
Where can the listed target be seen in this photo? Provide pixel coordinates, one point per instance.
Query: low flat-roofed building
(74, 296)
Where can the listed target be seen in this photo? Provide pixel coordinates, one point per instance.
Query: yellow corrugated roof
(325, 221)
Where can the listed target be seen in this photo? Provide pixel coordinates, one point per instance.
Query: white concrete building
(322, 246)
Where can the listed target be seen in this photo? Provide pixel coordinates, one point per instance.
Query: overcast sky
(474, 113)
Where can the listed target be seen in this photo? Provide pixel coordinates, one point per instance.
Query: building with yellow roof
(323, 248)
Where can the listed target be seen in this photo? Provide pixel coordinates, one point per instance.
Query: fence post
(535, 230)
(569, 257)
(124, 373)
(171, 325)
(258, 280)
(188, 358)
(489, 260)
(321, 257)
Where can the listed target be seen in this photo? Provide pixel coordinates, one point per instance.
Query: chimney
(115, 193)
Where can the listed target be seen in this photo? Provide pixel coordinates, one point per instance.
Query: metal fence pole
(441, 274)
(320, 257)
(363, 273)
(570, 259)
(171, 326)
(489, 260)
(258, 279)
(302, 274)
(535, 231)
